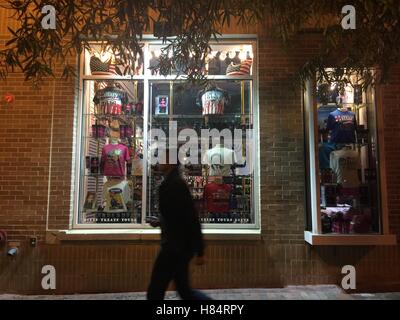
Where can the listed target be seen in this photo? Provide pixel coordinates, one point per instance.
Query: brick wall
(390, 95)
(33, 128)
(40, 123)
(282, 138)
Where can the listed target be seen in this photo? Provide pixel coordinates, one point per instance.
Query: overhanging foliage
(120, 24)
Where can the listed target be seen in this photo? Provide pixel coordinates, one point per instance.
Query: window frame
(313, 228)
(78, 149)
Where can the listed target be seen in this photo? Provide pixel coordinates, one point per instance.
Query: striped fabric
(241, 69)
(213, 102)
(99, 68)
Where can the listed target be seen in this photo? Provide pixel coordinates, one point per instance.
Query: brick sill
(350, 239)
(55, 237)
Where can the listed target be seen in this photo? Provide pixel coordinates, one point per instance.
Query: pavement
(322, 292)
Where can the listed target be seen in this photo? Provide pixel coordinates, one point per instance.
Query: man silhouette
(181, 237)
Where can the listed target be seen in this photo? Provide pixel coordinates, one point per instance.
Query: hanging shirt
(217, 197)
(220, 160)
(110, 101)
(113, 159)
(345, 163)
(213, 101)
(343, 126)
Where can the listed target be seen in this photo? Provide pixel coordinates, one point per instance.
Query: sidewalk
(325, 292)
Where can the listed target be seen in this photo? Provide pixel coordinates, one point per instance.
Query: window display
(347, 154)
(125, 124)
(112, 144)
(222, 184)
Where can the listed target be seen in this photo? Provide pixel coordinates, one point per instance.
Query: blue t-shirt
(343, 126)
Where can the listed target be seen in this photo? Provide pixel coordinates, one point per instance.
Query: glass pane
(100, 61)
(347, 160)
(111, 153)
(231, 60)
(219, 171)
(223, 60)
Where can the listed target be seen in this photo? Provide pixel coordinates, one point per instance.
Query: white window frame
(143, 228)
(315, 237)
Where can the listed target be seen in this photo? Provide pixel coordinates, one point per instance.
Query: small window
(343, 159)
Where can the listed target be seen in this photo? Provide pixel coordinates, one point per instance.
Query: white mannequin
(339, 103)
(114, 141)
(219, 160)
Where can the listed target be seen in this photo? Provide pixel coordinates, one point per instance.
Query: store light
(157, 53)
(242, 55)
(106, 56)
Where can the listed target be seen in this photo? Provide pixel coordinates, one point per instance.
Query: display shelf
(200, 116)
(349, 239)
(105, 138)
(95, 175)
(123, 117)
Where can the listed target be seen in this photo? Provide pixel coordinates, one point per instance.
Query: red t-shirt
(217, 197)
(113, 159)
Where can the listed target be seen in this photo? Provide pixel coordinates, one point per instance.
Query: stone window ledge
(350, 239)
(54, 237)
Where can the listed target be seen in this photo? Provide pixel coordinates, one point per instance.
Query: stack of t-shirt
(116, 193)
(217, 197)
(345, 163)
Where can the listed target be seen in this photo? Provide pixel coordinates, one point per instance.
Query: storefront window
(112, 144)
(342, 121)
(218, 170)
(126, 125)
